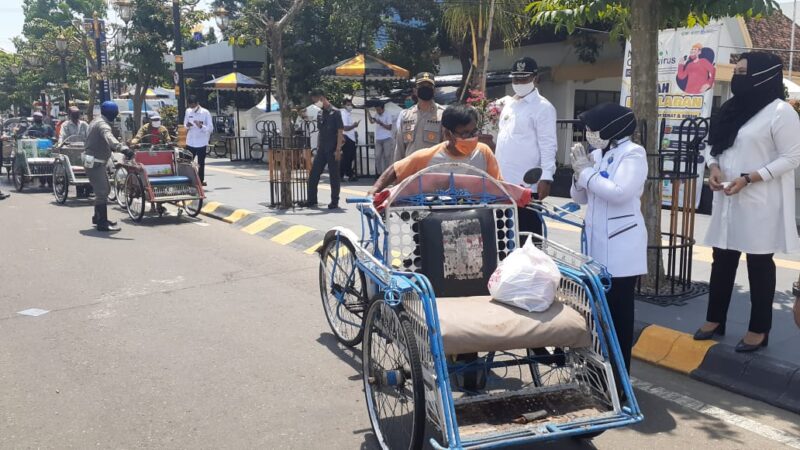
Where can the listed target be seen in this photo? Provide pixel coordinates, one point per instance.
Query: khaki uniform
(416, 129)
(100, 142)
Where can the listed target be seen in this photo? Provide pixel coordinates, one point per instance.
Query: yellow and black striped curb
(750, 374)
(301, 237)
(753, 375)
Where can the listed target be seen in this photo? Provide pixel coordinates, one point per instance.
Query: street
(185, 333)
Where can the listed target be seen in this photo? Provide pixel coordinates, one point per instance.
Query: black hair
(347, 101)
(458, 115)
(192, 99)
(316, 92)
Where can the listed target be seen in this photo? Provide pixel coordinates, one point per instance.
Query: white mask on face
(348, 107)
(523, 89)
(593, 138)
(318, 104)
(156, 124)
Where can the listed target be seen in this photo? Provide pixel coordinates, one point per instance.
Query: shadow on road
(103, 235)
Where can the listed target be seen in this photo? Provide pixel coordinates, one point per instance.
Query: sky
(11, 19)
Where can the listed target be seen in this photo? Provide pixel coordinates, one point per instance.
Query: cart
(159, 175)
(68, 170)
(32, 159)
(438, 350)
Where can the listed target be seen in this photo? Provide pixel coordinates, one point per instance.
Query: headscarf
(612, 120)
(762, 84)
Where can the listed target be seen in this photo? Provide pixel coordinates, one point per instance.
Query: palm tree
(476, 22)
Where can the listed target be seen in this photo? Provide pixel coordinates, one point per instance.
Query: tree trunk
(464, 56)
(484, 62)
(281, 86)
(478, 68)
(644, 79)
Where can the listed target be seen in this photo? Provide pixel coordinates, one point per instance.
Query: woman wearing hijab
(610, 182)
(754, 148)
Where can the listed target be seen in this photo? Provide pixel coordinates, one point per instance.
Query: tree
(640, 21)
(477, 22)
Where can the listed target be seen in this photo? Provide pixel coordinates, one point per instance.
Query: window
(586, 100)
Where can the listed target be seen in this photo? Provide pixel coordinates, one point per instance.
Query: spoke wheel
(60, 183)
(112, 191)
(118, 185)
(18, 175)
(343, 289)
(392, 375)
(134, 196)
(549, 366)
(193, 207)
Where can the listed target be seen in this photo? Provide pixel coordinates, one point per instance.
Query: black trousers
(321, 159)
(760, 273)
(529, 222)
(620, 302)
(348, 158)
(200, 154)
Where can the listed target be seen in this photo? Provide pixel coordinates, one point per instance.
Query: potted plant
(488, 116)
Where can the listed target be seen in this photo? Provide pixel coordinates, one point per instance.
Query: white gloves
(580, 160)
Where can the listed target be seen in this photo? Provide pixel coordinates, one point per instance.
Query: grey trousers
(98, 177)
(384, 152)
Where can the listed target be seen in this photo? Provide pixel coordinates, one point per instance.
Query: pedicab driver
(100, 142)
(610, 180)
(460, 126)
(152, 133)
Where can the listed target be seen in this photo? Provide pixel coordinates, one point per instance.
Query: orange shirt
(481, 158)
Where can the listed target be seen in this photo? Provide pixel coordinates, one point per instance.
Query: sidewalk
(772, 374)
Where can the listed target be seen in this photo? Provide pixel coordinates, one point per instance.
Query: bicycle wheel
(134, 196)
(343, 289)
(119, 185)
(18, 175)
(193, 207)
(60, 183)
(392, 375)
(549, 366)
(112, 191)
(257, 152)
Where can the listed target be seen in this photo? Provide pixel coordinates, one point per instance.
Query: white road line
(728, 417)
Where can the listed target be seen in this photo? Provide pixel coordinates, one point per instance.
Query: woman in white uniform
(754, 147)
(610, 182)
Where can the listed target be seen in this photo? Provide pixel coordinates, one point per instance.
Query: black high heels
(742, 347)
(701, 335)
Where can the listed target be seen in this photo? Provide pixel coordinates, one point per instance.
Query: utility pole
(180, 87)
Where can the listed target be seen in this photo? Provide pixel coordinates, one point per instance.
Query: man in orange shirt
(460, 125)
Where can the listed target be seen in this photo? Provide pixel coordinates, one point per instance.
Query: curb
(301, 237)
(749, 374)
(752, 375)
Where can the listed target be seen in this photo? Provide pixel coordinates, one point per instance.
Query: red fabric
(519, 194)
(155, 136)
(698, 73)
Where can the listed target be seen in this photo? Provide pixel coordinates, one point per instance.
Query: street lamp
(125, 10)
(61, 45)
(33, 60)
(221, 18)
(180, 88)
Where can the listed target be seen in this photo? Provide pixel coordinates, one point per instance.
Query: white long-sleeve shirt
(526, 137)
(761, 217)
(201, 126)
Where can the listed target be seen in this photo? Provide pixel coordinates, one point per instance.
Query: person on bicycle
(100, 142)
(152, 133)
(39, 128)
(73, 127)
(460, 127)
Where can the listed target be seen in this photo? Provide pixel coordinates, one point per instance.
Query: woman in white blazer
(610, 182)
(754, 147)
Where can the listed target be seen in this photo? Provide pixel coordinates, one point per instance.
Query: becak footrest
(78, 169)
(175, 179)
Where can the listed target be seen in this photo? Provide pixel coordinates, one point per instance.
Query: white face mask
(156, 124)
(593, 138)
(523, 89)
(348, 108)
(318, 104)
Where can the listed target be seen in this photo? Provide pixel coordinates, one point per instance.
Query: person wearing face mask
(152, 133)
(200, 125)
(610, 181)
(419, 126)
(460, 125)
(754, 149)
(349, 147)
(329, 149)
(74, 126)
(39, 128)
(527, 137)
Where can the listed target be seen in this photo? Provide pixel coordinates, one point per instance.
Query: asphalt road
(181, 333)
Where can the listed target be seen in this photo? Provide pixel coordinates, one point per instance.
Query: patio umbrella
(236, 82)
(365, 68)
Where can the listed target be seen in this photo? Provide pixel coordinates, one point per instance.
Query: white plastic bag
(527, 279)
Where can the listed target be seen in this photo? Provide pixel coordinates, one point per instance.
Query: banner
(686, 78)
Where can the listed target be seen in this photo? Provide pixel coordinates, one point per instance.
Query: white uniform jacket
(615, 231)
(760, 218)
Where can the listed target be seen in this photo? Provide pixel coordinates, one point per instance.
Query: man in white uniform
(384, 144)
(527, 137)
(349, 147)
(198, 121)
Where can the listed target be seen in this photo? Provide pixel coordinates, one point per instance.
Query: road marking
(240, 173)
(291, 234)
(260, 225)
(237, 215)
(723, 415)
(327, 187)
(210, 207)
(313, 249)
(201, 224)
(33, 312)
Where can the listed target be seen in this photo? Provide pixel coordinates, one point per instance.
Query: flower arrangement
(488, 111)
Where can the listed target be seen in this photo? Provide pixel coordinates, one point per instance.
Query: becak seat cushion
(480, 324)
(175, 179)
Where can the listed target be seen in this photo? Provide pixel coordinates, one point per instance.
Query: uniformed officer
(421, 125)
(329, 149)
(610, 181)
(100, 142)
(527, 137)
